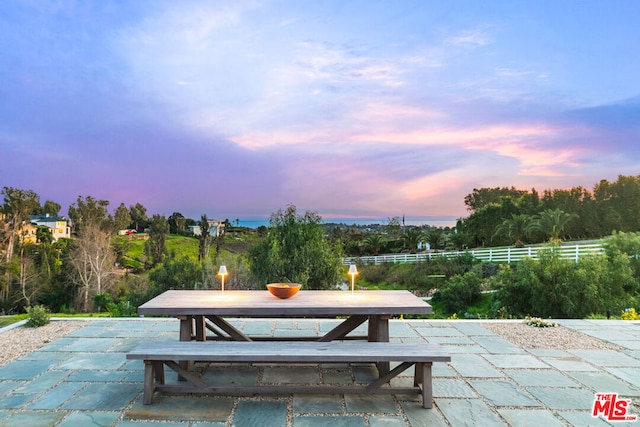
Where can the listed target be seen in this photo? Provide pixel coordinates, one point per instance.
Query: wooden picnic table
(200, 311)
(376, 307)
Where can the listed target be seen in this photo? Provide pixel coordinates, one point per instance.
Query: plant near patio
(539, 323)
(38, 316)
(459, 292)
(552, 287)
(629, 314)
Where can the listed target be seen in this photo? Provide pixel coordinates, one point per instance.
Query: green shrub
(459, 292)
(560, 288)
(38, 316)
(374, 274)
(102, 301)
(121, 309)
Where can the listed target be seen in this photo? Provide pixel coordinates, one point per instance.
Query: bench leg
(153, 374)
(423, 378)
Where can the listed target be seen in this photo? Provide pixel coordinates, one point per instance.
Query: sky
(352, 109)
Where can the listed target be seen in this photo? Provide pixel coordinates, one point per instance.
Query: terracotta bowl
(284, 290)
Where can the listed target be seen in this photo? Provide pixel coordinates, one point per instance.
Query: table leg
(186, 327)
(186, 332)
(201, 330)
(379, 332)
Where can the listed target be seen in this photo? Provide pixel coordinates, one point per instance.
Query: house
(215, 228)
(58, 226)
(27, 233)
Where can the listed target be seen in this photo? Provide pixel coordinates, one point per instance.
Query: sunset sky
(370, 109)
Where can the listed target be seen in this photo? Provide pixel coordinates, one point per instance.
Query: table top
(304, 303)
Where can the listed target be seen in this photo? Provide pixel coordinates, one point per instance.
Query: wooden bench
(156, 354)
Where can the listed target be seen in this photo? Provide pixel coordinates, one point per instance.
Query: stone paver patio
(83, 379)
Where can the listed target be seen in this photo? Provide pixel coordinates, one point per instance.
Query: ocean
(434, 222)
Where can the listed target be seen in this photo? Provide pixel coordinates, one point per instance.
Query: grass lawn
(8, 320)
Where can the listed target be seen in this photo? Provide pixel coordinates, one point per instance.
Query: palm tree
(374, 242)
(552, 223)
(435, 237)
(516, 229)
(457, 239)
(412, 236)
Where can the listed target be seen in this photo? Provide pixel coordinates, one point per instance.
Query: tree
(220, 236)
(28, 276)
(139, 217)
(155, 246)
(481, 197)
(18, 205)
(515, 229)
(295, 251)
(393, 226)
(458, 240)
(92, 260)
(50, 208)
(204, 239)
(353, 241)
(177, 223)
(627, 245)
(88, 213)
(412, 236)
(179, 273)
(482, 224)
(576, 200)
(435, 237)
(552, 223)
(374, 242)
(619, 203)
(121, 217)
(43, 234)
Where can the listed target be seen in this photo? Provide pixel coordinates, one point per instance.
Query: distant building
(127, 232)
(215, 228)
(58, 226)
(27, 233)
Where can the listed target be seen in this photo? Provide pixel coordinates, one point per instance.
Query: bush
(539, 323)
(630, 314)
(38, 316)
(560, 288)
(374, 274)
(455, 265)
(459, 292)
(102, 301)
(121, 309)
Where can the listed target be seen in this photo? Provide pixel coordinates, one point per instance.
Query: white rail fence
(494, 255)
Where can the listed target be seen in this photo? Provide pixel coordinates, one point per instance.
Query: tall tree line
(497, 215)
